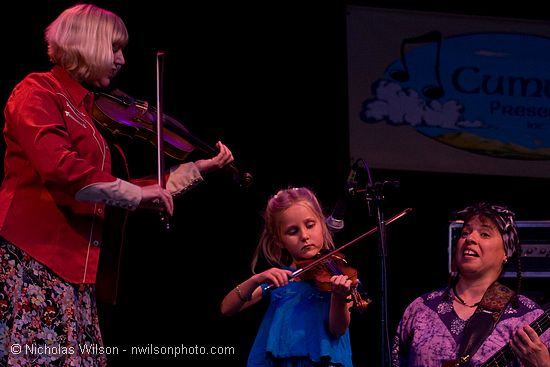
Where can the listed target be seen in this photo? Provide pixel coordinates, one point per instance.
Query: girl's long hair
(269, 245)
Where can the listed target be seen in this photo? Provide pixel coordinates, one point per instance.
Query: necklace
(461, 301)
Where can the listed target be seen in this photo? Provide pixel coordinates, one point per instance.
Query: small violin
(118, 114)
(335, 264)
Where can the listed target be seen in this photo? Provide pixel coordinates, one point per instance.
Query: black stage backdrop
(269, 80)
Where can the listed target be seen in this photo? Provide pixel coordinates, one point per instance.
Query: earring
(505, 260)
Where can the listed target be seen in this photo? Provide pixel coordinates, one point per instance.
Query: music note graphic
(430, 91)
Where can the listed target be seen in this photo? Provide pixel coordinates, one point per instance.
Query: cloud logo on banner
(487, 93)
(406, 107)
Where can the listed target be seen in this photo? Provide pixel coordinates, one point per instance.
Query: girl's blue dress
(296, 325)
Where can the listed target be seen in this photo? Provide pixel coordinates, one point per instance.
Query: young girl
(303, 326)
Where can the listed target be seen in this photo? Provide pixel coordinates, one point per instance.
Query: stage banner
(449, 93)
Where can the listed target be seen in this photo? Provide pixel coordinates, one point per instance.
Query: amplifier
(534, 237)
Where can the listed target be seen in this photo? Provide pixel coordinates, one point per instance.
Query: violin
(118, 114)
(335, 264)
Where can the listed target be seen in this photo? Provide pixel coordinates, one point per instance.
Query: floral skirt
(44, 320)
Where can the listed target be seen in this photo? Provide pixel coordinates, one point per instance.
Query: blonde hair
(270, 239)
(82, 40)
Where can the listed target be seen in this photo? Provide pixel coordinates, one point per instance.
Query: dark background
(269, 80)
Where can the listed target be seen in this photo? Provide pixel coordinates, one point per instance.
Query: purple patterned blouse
(430, 331)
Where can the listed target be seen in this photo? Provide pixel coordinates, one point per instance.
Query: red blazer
(53, 149)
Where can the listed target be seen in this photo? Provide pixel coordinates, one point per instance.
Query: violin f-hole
(430, 91)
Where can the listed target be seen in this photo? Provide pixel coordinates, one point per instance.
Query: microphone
(353, 177)
(335, 222)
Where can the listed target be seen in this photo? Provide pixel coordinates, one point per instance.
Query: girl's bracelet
(240, 295)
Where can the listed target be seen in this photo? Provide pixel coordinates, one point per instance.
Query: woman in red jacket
(57, 183)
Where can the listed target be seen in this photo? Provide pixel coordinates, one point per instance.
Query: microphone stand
(375, 193)
(378, 198)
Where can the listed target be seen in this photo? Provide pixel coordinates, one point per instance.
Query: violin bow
(160, 130)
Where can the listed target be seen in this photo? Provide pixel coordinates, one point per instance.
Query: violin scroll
(359, 303)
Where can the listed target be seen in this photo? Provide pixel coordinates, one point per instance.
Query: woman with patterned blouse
(433, 326)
